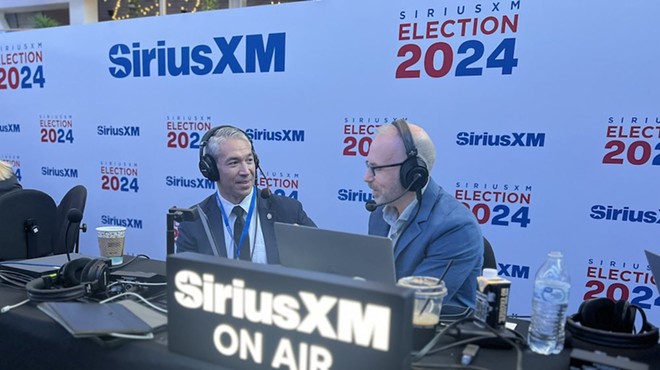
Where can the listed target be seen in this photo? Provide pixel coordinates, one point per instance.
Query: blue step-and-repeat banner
(545, 116)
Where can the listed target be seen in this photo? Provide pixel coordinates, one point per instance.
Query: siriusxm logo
(200, 59)
(118, 131)
(182, 182)
(515, 271)
(600, 212)
(132, 223)
(350, 195)
(513, 139)
(11, 127)
(59, 172)
(275, 135)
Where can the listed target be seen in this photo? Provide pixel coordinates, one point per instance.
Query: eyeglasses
(374, 168)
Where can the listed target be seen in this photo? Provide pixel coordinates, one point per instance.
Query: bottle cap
(555, 254)
(489, 273)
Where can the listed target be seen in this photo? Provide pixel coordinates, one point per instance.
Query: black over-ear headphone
(602, 321)
(207, 164)
(75, 279)
(414, 174)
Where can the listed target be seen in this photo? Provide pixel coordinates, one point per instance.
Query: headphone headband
(408, 142)
(207, 164)
(603, 322)
(75, 279)
(414, 173)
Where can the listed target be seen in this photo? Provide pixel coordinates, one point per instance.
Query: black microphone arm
(371, 205)
(74, 216)
(265, 192)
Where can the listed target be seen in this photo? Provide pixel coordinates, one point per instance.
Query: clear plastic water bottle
(551, 288)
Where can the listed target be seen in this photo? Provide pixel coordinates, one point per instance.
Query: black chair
(27, 224)
(489, 256)
(69, 219)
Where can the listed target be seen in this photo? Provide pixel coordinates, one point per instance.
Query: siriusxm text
(275, 135)
(118, 131)
(341, 319)
(525, 139)
(203, 59)
(59, 172)
(601, 212)
(133, 223)
(182, 182)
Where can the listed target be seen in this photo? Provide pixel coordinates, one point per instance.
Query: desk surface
(30, 340)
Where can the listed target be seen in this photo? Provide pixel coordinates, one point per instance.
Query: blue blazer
(193, 238)
(444, 229)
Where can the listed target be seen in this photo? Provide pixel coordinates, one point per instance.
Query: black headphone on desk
(602, 321)
(207, 165)
(414, 173)
(75, 279)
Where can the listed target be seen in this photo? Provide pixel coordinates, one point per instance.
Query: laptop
(363, 257)
(654, 262)
(37, 267)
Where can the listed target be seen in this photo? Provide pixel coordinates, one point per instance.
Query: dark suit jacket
(444, 229)
(193, 238)
(9, 184)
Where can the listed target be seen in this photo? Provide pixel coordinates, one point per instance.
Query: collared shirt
(257, 244)
(396, 221)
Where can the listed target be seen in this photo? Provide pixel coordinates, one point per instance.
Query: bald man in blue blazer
(429, 227)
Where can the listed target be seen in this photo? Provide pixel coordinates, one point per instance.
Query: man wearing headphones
(238, 220)
(428, 226)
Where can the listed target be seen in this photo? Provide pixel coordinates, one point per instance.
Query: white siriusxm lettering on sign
(364, 325)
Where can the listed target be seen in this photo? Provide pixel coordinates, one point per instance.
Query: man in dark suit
(236, 222)
(428, 226)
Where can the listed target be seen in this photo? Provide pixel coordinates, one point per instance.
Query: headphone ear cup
(597, 313)
(71, 272)
(413, 174)
(208, 167)
(95, 272)
(624, 317)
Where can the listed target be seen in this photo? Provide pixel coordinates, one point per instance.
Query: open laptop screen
(360, 256)
(654, 262)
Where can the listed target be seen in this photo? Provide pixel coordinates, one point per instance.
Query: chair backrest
(27, 224)
(489, 256)
(76, 198)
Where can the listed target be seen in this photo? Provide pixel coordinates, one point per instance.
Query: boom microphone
(265, 192)
(74, 216)
(371, 205)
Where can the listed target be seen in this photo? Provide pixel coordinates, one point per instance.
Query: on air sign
(246, 316)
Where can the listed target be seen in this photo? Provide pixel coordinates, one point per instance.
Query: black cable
(429, 348)
(446, 366)
(124, 264)
(458, 343)
(14, 279)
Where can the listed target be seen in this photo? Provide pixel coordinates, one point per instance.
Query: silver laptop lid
(359, 256)
(654, 262)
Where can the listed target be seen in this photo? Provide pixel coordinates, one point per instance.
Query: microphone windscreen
(74, 215)
(265, 193)
(371, 205)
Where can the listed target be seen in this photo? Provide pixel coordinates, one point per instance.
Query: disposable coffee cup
(429, 294)
(111, 242)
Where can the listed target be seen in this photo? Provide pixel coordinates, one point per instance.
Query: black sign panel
(248, 316)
